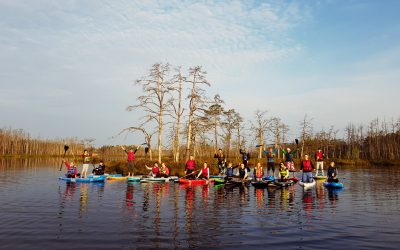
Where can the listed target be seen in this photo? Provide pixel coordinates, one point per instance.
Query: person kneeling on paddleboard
(155, 170)
(72, 171)
(332, 173)
(205, 172)
(164, 170)
(189, 168)
(229, 170)
(258, 172)
(283, 172)
(99, 170)
(243, 173)
(307, 167)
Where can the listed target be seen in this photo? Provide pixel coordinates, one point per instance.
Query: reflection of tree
(271, 197)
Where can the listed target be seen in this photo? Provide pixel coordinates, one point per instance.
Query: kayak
(98, 178)
(192, 182)
(173, 178)
(217, 176)
(154, 179)
(333, 184)
(260, 184)
(320, 177)
(269, 178)
(307, 184)
(294, 179)
(236, 183)
(133, 178)
(286, 183)
(218, 181)
(116, 178)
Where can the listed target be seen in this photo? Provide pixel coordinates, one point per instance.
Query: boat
(116, 178)
(285, 183)
(217, 176)
(192, 182)
(307, 184)
(236, 183)
(218, 181)
(94, 178)
(133, 178)
(320, 177)
(333, 184)
(294, 179)
(269, 178)
(173, 178)
(154, 179)
(260, 184)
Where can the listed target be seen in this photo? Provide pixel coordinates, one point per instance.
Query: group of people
(157, 171)
(285, 167)
(72, 170)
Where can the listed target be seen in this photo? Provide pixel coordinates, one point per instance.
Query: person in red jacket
(164, 170)
(190, 167)
(72, 171)
(306, 167)
(155, 170)
(319, 158)
(205, 172)
(131, 158)
(258, 172)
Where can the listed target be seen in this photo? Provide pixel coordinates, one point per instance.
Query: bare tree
(155, 86)
(229, 124)
(178, 110)
(147, 137)
(196, 100)
(260, 126)
(214, 112)
(306, 131)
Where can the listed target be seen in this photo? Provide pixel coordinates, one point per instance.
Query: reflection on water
(39, 211)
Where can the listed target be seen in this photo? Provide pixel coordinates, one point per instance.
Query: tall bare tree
(155, 86)
(229, 125)
(306, 131)
(214, 112)
(260, 126)
(197, 99)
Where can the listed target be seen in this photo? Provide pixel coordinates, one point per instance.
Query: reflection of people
(131, 158)
(308, 200)
(307, 167)
(99, 170)
(332, 173)
(271, 160)
(155, 170)
(221, 160)
(319, 158)
(258, 172)
(189, 168)
(205, 172)
(72, 171)
(283, 172)
(129, 195)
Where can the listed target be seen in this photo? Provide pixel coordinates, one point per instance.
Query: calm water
(37, 211)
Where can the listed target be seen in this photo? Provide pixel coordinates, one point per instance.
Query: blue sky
(67, 67)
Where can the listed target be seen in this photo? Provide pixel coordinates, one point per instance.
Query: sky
(67, 68)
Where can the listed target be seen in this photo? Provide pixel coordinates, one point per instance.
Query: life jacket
(307, 166)
(204, 172)
(331, 172)
(86, 158)
(270, 157)
(283, 172)
(288, 157)
(165, 171)
(242, 172)
(190, 164)
(259, 172)
(155, 170)
(131, 156)
(229, 172)
(71, 170)
(319, 155)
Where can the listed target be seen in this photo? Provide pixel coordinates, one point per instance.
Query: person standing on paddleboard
(131, 158)
(87, 159)
(306, 167)
(271, 153)
(258, 172)
(319, 158)
(221, 161)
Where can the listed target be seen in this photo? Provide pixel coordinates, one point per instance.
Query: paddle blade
(297, 141)
(66, 147)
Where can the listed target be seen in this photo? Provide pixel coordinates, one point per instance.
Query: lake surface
(37, 211)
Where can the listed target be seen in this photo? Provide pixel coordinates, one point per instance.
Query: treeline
(177, 107)
(18, 142)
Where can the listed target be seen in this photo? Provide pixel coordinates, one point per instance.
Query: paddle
(66, 147)
(191, 173)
